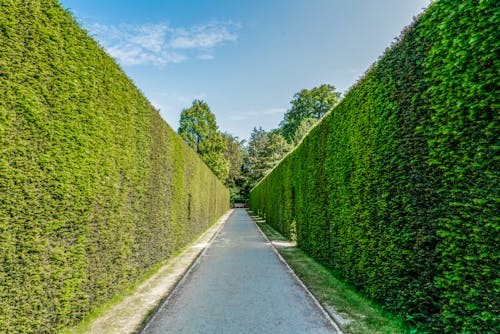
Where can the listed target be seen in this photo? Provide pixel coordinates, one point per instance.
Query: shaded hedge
(398, 188)
(95, 188)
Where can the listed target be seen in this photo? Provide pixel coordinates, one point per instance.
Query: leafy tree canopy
(308, 104)
(234, 153)
(199, 130)
(264, 151)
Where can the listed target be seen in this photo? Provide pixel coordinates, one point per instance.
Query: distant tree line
(242, 164)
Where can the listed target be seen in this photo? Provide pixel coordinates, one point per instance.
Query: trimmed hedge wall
(95, 188)
(398, 188)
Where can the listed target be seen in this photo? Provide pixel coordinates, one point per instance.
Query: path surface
(239, 285)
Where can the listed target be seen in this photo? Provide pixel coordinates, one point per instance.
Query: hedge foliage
(95, 188)
(398, 187)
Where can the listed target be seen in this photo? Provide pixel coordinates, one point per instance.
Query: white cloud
(204, 36)
(151, 37)
(160, 44)
(128, 54)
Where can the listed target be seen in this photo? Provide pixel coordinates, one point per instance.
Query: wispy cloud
(204, 36)
(160, 44)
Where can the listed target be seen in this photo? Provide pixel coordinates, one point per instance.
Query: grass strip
(355, 312)
(127, 312)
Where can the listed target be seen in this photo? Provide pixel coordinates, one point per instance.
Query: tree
(303, 129)
(254, 159)
(313, 103)
(275, 149)
(199, 130)
(234, 152)
(264, 151)
(197, 124)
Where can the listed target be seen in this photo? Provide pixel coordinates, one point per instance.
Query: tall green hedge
(398, 189)
(95, 188)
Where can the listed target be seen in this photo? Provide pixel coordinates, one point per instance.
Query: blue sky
(245, 58)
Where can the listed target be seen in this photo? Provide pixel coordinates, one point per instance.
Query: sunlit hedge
(398, 188)
(95, 188)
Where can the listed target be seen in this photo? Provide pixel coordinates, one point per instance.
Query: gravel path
(239, 285)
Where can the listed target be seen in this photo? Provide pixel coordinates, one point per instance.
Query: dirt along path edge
(133, 311)
(327, 314)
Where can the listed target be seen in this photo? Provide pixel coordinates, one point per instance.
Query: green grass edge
(364, 315)
(84, 326)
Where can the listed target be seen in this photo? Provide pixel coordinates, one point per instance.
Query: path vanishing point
(239, 285)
